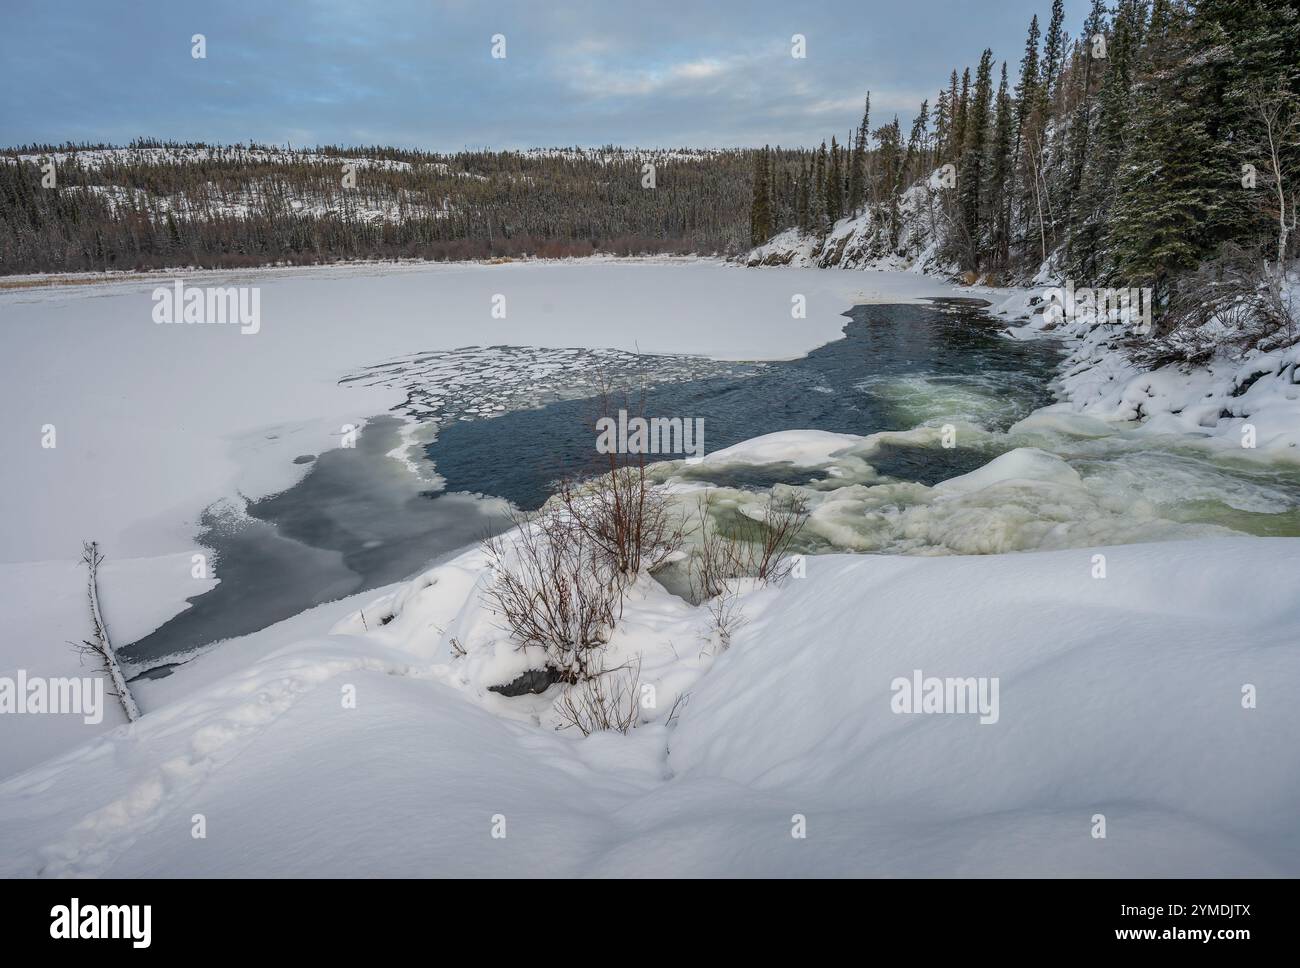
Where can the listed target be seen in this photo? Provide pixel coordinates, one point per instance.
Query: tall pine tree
(971, 174)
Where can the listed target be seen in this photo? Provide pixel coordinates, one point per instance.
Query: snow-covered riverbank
(1208, 404)
(1144, 684)
(1246, 404)
(1119, 698)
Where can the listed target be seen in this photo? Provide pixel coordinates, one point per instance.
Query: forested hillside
(1160, 144)
(1158, 148)
(155, 204)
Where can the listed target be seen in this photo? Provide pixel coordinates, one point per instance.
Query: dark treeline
(1164, 138)
(165, 204)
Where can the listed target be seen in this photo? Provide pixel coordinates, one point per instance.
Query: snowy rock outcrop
(905, 240)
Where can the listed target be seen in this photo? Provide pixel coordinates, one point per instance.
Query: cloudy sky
(419, 73)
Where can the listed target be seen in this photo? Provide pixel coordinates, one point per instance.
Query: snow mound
(1119, 696)
(802, 448)
(1021, 464)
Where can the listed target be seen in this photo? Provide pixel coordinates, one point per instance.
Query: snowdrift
(1120, 696)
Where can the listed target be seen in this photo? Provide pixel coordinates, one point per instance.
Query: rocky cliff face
(906, 239)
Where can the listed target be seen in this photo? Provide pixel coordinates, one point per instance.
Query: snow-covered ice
(168, 419)
(1119, 695)
(156, 423)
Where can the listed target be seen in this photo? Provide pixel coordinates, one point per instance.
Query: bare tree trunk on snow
(101, 645)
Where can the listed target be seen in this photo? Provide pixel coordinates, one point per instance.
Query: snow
(184, 416)
(156, 423)
(266, 190)
(477, 381)
(863, 241)
(44, 603)
(1022, 464)
(802, 448)
(215, 201)
(96, 158)
(1119, 696)
(1246, 405)
(212, 201)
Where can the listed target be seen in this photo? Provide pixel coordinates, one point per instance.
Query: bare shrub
(607, 699)
(725, 615)
(773, 537)
(625, 517)
(555, 590)
(751, 548)
(1275, 307)
(621, 512)
(559, 579)
(714, 560)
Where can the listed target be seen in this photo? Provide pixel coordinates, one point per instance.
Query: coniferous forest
(1159, 147)
(160, 204)
(1159, 143)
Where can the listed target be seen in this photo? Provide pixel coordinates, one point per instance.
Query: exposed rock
(533, 681)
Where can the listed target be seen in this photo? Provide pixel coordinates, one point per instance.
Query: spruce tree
(889, 138)
(960, 118)
(1154, 228)
(834, 185)
(942, 114)
(1027, 86)
(1001, 166)
(914, 163)
(1053, 49)
(970, 177)
(953, 130)
(858, 163)
(1166, 188)
(1091, 204)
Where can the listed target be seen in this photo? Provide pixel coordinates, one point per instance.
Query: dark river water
(838, 387)
(359, 520)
